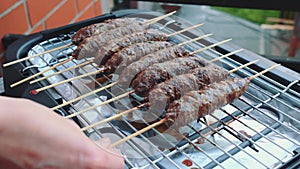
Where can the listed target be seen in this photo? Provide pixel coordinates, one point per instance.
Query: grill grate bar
(202, 151)
(216, 145)
(266, 103)
(248, 126)
(239, 147)
(253, 142)
(262, 123)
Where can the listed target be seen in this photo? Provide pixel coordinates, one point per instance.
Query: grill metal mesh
(260, 129)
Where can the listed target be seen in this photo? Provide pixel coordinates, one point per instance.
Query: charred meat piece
(197, 104)
(161, 72)
(99, 28)
(165, 93)
(115, 45)
(89, 46)
(133, 69)
(130, 54)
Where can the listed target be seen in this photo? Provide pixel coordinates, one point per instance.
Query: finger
(105, 145)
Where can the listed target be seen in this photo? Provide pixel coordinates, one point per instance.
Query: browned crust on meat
(197, 104)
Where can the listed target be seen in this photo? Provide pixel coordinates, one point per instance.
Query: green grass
(254, 15)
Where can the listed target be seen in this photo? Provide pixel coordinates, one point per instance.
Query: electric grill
(260, 129)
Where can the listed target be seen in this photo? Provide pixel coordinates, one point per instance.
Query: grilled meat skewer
(89, 46)
(132, 53)
(128, 73)
(133, 69)
(106, 42)
(99, 28)
(196, 104)
(115, 45)
(165, 93)
(160, 72)
(160, 96)
(110, 24)
(158, 113)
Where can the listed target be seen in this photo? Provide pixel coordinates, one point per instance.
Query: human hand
(33, 136)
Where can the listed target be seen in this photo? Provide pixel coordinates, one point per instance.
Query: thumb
(105, 145)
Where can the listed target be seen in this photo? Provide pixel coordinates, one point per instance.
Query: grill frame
(20, 49)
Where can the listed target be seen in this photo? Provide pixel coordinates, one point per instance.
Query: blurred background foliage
(253, 15)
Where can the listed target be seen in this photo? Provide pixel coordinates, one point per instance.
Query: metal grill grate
(260, 129)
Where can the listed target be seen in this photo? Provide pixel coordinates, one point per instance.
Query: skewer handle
(192, 40)
(264, 71)
(100, 104)
(138, 132)
(226, 55)
(112, 117)
(83, 96)
(245, 65)
(39, 73)
(36, 91)
(56, 73)
(186, 29)
(33, 56)
(211, 46)
(151, 21)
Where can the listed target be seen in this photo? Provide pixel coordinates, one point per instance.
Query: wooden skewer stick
(147, 104)
(264, 71)
(151, 21)
(186, 29)
(62, 71)
(228, 54)
(245, 65)
(210, 46)
(36, 55)
(195, 39)
(83, 96)
(113, 117)
(36, 91)
(139, 132)
(39, 73)
(100, 104)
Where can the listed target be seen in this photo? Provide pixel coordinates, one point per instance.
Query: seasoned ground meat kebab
(99, 28)
(133, 69)
(160, 72)
(165, 93)
(110, 24)
(160, 96)
(196, 104)
(128, 73)
(96, 46)
(115, 45)
(89, 46)
(130, 54)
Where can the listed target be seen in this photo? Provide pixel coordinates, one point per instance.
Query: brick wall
(29, 16)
